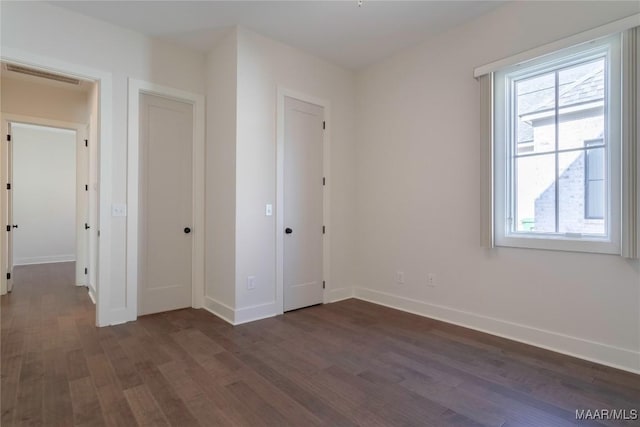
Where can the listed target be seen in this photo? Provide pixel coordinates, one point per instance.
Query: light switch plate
(118, 210)
(268, 210)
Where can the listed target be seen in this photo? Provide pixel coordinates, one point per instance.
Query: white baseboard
(240, 315)
(92, 294)
(255, 312)
(119, 316)
(219, 309)
(604, 354)
(49, 259)
(335, 295)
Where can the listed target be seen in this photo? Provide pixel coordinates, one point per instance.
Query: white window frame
(504, 236)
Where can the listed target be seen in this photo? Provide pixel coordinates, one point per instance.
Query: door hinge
(8, 228)
(8, 186)
(323, 284)
(86, 270)
(86, 187)
(324, 181)
(8, 276)
(324, 124)
(8, 137)
(323, 229)
(86, 142)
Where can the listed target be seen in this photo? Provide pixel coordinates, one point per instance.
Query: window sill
(560, 243)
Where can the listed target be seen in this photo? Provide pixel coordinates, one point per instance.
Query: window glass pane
(595, 200)
(573, 195)
(535, 194)
(595, 163)
(535, 109)
(581, 104)
(595, 184)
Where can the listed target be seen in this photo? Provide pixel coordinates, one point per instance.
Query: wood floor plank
(144, 407)
(202, 408)
(85, 403)
(29, 406)
(57, 409)
(173, 408)
(10, 368)
(115, 407)
(343, 364)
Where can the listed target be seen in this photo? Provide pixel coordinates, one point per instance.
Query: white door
(166, 143)
(303, 182)
(83, 222)
(94, 205)
(10, 226)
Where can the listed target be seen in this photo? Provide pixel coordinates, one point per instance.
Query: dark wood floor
(348, 363)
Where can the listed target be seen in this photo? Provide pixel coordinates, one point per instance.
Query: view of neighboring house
(561, 151)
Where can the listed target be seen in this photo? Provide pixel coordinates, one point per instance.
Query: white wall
(29, 98)
(263, 65)
(44, 194)
(246, 155)
(418, 205)
(47, 30)
(221, 176)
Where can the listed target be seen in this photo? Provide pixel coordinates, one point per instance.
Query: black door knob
(187, 230)
(86, 226)
(15, 225)
(288, 230)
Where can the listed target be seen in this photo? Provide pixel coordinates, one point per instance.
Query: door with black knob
(165, 204)
(303, 188)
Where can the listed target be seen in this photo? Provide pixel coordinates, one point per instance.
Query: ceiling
(338, 31)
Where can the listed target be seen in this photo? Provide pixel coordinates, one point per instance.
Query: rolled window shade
(630, 149)
(486, 159)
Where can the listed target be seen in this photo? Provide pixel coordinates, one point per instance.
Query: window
(557, 150)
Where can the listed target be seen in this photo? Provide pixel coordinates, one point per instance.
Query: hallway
(45, 321)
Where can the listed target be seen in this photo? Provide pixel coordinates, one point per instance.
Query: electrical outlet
(431, 280)
(251, 283)
(400, 277)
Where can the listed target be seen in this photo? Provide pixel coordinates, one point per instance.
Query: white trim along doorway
(104, 314)
(137, 87)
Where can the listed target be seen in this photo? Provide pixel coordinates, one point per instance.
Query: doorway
(303, 183)
(48, 201)
(41, 106)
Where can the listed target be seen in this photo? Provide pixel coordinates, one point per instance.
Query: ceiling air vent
(43, 74)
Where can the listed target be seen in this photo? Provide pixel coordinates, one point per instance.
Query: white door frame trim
(282, 93)
(105, 315)
(81, 135)
(136, 87)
